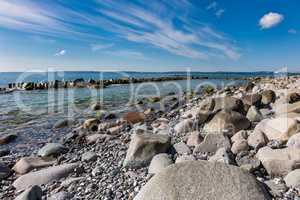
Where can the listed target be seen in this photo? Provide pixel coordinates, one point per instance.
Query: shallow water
(32, 114)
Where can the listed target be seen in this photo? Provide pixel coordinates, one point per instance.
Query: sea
(32, 114)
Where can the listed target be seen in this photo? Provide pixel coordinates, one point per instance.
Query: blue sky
(158, 35)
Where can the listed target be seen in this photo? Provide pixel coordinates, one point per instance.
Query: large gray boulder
(44, 176)
(143, 147)
(202, 180)
(229, 121)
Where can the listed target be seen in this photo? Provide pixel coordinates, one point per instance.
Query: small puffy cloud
(292, 31)
(220, 12)
(61, 53)
(270, 20)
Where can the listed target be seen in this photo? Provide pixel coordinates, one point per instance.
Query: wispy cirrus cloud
(131, 54)
(152, 24)
(220, 12)
(142, 25)
(97, 47)
(212, 5)
(292, 31)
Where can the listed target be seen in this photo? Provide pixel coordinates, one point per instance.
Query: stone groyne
(81, 83)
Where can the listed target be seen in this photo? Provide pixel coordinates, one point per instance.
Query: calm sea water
(32, 114)
(11, 77)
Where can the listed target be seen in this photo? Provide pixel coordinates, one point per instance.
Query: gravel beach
(238, 142)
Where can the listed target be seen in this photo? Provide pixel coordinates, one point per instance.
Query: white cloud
(292, 31)
(220, 12)
(97, 47)
(61, 53)
(270, 20)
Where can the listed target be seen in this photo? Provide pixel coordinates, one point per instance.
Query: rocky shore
(240, 142)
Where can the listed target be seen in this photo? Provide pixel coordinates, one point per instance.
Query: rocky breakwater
(81, 83)
(235, 143)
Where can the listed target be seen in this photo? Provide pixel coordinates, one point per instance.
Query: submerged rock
(96, 106)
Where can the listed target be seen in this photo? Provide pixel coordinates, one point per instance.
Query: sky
(156, 35)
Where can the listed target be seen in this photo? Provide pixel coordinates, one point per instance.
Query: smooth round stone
(52, 149)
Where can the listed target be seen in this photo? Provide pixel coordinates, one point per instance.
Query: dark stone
(5, 139)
